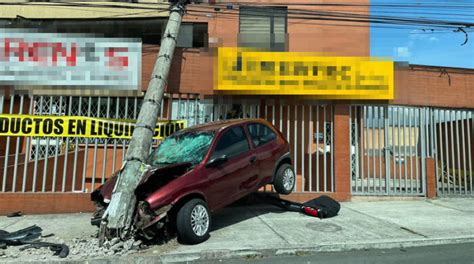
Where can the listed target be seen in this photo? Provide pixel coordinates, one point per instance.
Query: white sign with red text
(73, 60)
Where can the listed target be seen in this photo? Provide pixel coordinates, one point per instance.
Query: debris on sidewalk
(322, 207)
(21, 236)
(60, 250)
(31, 246)
(89, 248)
(29, 236)
(15, 214)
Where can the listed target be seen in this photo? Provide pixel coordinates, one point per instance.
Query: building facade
(418, 143)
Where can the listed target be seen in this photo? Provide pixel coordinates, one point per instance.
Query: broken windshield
(182, 147)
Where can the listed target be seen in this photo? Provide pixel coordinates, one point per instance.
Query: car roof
(221, 124)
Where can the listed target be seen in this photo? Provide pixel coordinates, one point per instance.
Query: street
(460, 253)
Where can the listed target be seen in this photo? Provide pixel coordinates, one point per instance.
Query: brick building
(420, 143)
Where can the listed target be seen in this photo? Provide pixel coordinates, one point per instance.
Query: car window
(260, 134)
(182, 147)
(232, 143)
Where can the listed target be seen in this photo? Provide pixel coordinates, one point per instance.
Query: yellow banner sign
(78, 126)
(245, 71)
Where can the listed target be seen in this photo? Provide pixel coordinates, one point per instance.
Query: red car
(203, 168)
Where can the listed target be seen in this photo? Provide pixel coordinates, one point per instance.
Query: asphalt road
(460, 253)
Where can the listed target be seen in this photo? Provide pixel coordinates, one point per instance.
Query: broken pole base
(118, 218)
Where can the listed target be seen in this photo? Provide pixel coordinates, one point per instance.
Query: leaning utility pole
(117, 219)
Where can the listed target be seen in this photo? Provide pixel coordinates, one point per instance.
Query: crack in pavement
(413, 231)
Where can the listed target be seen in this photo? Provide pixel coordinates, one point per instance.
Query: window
(263, 27)
(192, 36)
(232, 143)
(260, 134)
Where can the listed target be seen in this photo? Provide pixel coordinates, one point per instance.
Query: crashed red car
(201, 169)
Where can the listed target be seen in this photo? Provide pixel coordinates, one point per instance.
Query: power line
(440, 5)
(444, 31)
(342, 18)
(345, 14)
(347, 17)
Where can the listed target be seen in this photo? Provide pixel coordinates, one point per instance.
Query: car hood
(168, 171)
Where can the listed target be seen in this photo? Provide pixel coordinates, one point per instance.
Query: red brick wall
(192, 69)
(426, 86)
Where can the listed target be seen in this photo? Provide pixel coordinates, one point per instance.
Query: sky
(412, 44)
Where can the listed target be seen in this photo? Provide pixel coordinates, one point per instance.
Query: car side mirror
(216, 161)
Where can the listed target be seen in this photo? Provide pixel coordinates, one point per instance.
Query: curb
(249, 254)
(305, 250)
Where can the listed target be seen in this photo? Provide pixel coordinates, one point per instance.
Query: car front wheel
(193, 221)
(285, 178)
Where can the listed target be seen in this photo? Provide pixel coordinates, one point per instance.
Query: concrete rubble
(79, 248)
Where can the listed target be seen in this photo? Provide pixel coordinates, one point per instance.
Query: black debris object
(328, 206)
(322, 207)
(61, 250)
(21, 236)
(30, 237)
(48, 235)
(15, 214)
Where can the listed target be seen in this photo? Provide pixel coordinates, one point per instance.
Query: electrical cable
(340, 18)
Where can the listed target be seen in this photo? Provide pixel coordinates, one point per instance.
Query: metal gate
(389, 145)
(453, 131)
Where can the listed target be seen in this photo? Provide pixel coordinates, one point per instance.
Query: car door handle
(253, 159)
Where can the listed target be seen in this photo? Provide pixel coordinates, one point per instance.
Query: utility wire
(440, 5)
(304, 14)
(363, 20)
(315, 15)
(315, 22)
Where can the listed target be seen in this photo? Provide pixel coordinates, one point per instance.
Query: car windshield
(182, 147)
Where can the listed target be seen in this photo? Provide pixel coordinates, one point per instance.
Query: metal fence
(66, 164)
(72, 164)
(453, 133)
(389, 145)
(308, 127)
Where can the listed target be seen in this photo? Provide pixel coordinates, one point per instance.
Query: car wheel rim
(199, 220)
(288, 179)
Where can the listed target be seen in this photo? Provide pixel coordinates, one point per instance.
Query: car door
(226, 179)
(263, 139)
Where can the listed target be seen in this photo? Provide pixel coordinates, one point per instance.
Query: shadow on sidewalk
(246, 208)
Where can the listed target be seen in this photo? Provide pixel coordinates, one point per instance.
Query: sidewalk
(259, 230)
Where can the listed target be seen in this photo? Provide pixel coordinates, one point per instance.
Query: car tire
(285, 179)
(193, 222)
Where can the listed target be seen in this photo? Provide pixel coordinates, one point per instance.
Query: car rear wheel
(285, 178)
(193, 221)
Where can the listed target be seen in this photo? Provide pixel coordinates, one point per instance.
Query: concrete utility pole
(118, 218)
